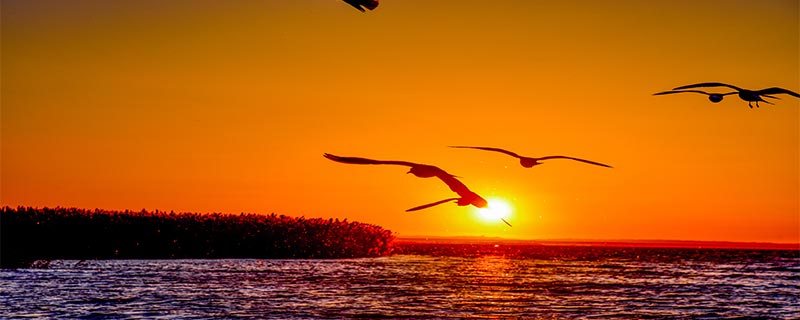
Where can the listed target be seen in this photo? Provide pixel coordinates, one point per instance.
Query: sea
(455, 282)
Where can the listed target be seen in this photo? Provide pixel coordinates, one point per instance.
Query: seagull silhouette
(747, 95)
(361, 4)
(466, 196)
(528, 162)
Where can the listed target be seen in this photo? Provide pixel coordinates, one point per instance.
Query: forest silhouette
(30, 234)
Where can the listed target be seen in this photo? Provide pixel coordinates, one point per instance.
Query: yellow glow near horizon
(498, 209)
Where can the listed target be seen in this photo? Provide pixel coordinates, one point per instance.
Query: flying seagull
(528, 162)
(747, 95)
(361, 4)
(466, 196)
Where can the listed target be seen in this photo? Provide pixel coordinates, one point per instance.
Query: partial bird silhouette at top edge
(528, 162)
(747, 95)
(362, 4)
(466, 196)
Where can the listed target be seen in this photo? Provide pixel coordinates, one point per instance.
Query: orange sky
(210, 106)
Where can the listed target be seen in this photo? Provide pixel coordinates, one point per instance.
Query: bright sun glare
(497, 209)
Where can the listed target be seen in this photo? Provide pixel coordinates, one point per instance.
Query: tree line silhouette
(28, 234)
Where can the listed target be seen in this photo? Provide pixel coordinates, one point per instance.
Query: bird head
(715, 97)
(480, 202)
(472, 198)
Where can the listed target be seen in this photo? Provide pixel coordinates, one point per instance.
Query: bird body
(747, 95)
(529, 162)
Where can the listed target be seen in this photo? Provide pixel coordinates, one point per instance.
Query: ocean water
(424, 282)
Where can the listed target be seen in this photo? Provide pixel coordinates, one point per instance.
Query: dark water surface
(525, 281)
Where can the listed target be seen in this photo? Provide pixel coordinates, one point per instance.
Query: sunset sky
(228, 106)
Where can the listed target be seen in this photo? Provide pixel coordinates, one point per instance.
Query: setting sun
(498, 209)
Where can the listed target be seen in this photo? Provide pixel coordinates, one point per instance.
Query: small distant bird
(528, 162)
(747, 95)
(361, 4)
(466, 196)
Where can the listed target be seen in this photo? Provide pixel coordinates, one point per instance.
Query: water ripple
(573, 285)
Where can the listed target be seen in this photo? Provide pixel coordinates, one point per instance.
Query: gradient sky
(212, 106)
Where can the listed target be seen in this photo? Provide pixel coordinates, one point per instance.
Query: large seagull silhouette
(466, 196)
(747, 95)
(528, 162)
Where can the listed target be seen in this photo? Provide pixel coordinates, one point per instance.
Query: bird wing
(504, 220)
(693, 91)
(490, 149)
(354, 4)
(447, 178)
(680, 91)
(356, 160)
(431, 204)
(456, 185)
(775, 90)
(708, 84)
(576, 159)
(369, 4)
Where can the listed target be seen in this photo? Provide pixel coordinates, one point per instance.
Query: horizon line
(652, 243)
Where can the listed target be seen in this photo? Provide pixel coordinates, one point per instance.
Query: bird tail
(431, 204)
